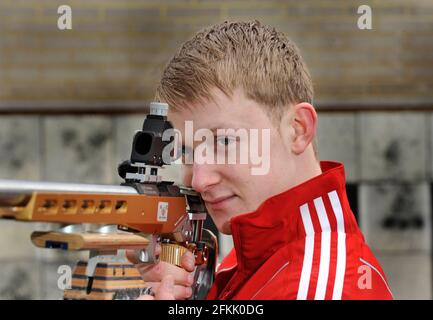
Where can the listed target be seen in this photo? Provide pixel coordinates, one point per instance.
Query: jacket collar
(279, 220)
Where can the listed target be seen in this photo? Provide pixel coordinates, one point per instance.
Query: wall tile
(396, 217)
(20, 147)
(19, 280)
(430, 148)
(15, 242)
(408, 275)
(78, 149)
(393, 146)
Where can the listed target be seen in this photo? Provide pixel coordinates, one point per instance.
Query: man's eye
(225, 141)
(187, 151)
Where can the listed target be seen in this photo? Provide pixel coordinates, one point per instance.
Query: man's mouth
(220, 202)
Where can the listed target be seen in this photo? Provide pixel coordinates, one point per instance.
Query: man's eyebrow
(239, 124)
(215, 129)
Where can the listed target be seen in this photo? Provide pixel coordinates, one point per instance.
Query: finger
(180, 292)
(146, 297)
(156, 272)
(166, 289)
(187, 261)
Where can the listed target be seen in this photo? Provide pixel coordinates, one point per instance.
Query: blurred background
(70, 101)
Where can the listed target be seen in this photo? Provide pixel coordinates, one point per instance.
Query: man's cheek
(260, 152)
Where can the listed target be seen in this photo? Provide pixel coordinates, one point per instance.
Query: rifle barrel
(18, 192)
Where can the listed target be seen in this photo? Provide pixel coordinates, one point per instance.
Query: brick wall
(115, 51)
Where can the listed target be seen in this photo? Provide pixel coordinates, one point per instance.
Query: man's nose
(202, 176)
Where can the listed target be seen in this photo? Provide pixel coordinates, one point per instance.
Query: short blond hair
(262, 61)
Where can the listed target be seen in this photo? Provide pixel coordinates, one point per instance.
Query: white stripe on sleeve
(341, 246)
(304, 282)
(325, 250)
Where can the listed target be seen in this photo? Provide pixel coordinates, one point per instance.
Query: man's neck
(308, 166)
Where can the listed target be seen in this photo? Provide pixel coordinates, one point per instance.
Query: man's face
(231, 189)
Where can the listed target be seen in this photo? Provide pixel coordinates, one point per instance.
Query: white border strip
(275, 274)
(341, 246)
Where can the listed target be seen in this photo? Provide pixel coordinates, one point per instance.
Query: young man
(295, 236)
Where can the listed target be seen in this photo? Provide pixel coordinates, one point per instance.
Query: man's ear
(304, 124)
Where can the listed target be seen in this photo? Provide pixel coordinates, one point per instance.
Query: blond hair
(230, 55)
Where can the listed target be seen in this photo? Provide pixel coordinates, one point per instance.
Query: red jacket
(303, 243)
